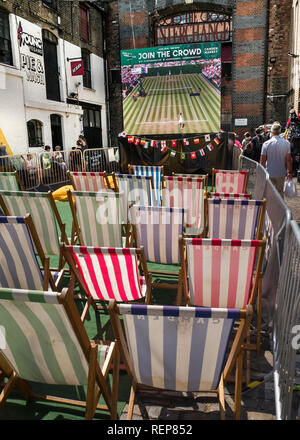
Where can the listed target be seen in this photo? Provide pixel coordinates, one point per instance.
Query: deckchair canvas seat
(230, 181)
(89, 181)
(156, 172)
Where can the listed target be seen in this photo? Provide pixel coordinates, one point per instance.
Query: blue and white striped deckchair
(98, 217)
(182, 349)
(235, 218)
(138, 190)
(47, 343)
(19, 267)
(9, 181)
(155, 171)
(44, 214)
(157, 229)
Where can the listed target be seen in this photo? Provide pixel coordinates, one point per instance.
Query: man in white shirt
(276, 158)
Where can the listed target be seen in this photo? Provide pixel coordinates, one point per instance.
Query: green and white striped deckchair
(46, 342)
(98, 217)
(9, 181)
(44, 214)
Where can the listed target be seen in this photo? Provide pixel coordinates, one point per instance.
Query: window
(84, 22)
(87, 82)
(35, 135)
(5, 45)
(50, 3)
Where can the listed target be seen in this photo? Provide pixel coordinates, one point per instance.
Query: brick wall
(278, 48)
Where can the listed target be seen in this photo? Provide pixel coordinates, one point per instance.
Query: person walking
(180, 120)
(276, 158)
(257, 142)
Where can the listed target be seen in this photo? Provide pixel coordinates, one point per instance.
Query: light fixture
(293, 55)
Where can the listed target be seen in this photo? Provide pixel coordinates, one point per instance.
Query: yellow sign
(3, 142)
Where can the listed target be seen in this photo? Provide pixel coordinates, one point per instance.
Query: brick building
(131, 24)
(42, 101)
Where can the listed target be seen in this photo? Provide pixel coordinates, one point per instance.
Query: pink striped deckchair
(222, 273)
(200, 176)
(183, 349)
(230, 181)
(109, 273)
(187, 193)
(219, 195)
(235, 218)
(89, 181)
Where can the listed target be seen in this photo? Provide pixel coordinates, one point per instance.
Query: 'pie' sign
(77, 68)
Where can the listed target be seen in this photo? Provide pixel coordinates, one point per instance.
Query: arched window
(35, 133)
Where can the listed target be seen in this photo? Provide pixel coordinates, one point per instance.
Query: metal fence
(281, 289)
(50, 168)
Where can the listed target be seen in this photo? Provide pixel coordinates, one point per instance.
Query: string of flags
(212, 139)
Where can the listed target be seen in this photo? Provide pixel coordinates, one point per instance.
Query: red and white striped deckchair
(187, 193)
(222, 273)
(109, 273)
(89, 181)
(230, 181)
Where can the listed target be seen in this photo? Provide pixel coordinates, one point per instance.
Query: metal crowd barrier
(281, 289)
(51, 168)
(27, 167)
(102, 159)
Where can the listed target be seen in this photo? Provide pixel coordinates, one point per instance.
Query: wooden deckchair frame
(235, 358)
(105, 176)
(76, 277)
(96, 376)
(259, 232)
(63, 236)
(213, 177)
(255, 291)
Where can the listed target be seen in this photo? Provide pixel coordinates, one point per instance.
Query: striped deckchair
(218, 195)
(146, 170)
(235, 218)
(230, 181)
(46, 342)
(223, 273)
(89, 181)
(199, 176)
(44, 214)
(19, 267)
(9, 181)
(181, 349)
(98, 217)
(157, 229)
(187, 193)
(138, 190)
(105, 273)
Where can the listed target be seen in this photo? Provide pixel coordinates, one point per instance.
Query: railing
(51, 168)
(281, 288)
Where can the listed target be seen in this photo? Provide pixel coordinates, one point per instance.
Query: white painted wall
(23, 93)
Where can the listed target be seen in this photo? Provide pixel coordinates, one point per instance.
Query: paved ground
(294, 204)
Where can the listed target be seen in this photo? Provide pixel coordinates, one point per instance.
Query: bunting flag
(196, 141)
(143, 141)
(182, 156)
(153, 143)
(186, 142)
(163, 145)
(174, 143)
(136, 141)
(210, 147)
(123, 134)
(130, 139)
(173, 153)
(216, 140)
(202, 152)
(146, 145)
(193, 155)
(207, 138)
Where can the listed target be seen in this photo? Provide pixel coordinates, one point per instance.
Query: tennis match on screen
(172, 89)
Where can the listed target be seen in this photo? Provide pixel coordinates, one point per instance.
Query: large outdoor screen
(172, 89)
